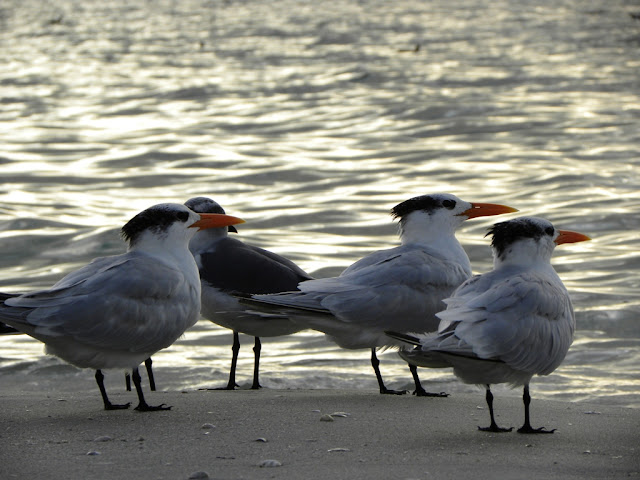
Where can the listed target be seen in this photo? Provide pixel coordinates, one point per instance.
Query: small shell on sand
(326, 418)
(269, 463)
(103, 438)
(199, 476)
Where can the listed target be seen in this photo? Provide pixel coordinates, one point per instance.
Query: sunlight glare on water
(311, 124)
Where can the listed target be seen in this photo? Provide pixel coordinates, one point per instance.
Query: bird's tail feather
(273, 306)
(4, 328)
(403, 337)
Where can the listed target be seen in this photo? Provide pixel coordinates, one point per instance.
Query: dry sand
(229, 435)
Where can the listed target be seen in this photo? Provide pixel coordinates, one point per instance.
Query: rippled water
(311, 121)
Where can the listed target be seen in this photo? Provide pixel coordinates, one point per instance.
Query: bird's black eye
(449, 204)
(549, 231)
(183, 216)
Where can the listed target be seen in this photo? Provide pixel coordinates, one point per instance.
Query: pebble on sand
(199, 476)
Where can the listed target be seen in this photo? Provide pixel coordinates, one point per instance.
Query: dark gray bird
(229, 267)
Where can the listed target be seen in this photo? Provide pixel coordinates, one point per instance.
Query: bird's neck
(525, 255)
(444, 243)
(174, 254)
(206, 239)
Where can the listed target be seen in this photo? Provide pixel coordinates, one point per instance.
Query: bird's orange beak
(215, 220)
(567, 236)
(487, 210)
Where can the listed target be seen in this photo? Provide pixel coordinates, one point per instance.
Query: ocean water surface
(311, 121)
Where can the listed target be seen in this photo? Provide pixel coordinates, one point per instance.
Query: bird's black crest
(155, 219)
(426, 203)
(506, 233)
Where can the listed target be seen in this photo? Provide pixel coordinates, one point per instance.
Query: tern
(7, 330)
(117, 311)
(229, 267)
(398, 289)
(509, 324)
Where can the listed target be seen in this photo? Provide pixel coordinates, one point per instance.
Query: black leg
(152, 383)
(526, 428)
(419, 391)
(493, 427)
(235, 349)
(375, 363)
(257, 347)
(107, 404)
(142, 404)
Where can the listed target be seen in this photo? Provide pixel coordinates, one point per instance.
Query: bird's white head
(528, 240)
(426, 217)
(207, 205)
(169, 223)
(204, 239)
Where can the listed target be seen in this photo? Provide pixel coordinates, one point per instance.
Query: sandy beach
(311, 124)
(311, 434)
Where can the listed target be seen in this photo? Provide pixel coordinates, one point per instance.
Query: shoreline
(228, 434)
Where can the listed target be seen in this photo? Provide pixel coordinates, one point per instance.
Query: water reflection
(312, 125)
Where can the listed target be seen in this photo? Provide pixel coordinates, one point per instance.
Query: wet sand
(229, 435)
